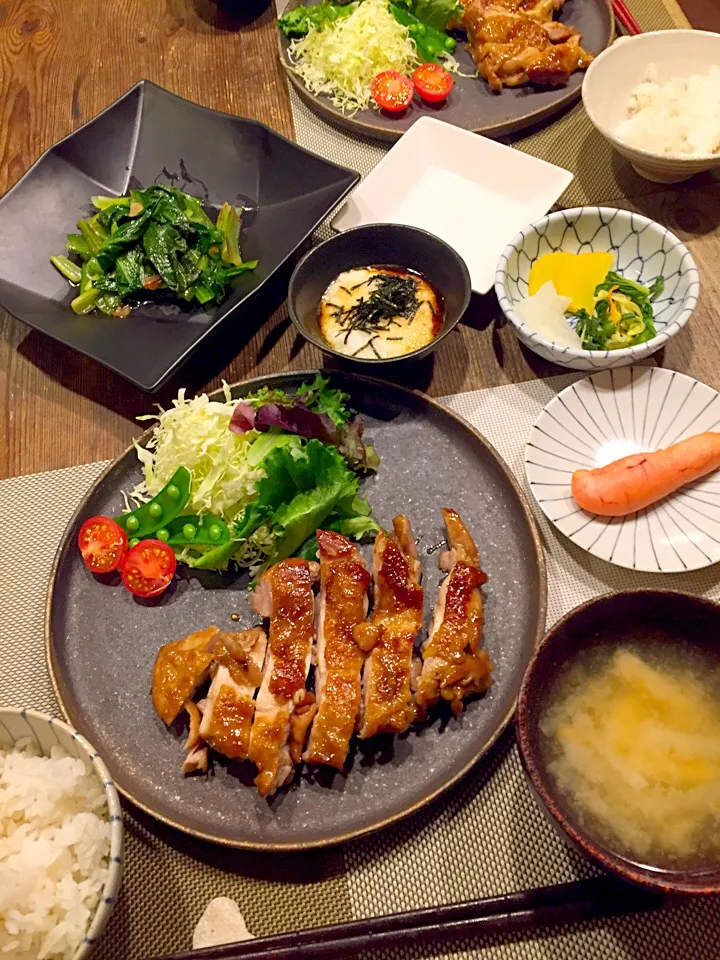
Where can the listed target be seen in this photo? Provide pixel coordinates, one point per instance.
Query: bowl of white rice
(61, 840)
(656, 98)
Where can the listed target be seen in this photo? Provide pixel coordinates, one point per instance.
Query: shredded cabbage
(194, 434)
(273, 489)
(253, 552)
(342, 59)
(453, 66)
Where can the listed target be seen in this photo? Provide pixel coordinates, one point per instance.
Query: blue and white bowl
(46, 732)
(643, 251)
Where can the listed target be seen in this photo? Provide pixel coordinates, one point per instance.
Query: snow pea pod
(194, 531)
(430, 43)
(216, 559)
(155, 515)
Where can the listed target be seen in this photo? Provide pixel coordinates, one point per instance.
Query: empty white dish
(610, 415)
(618, 70)
(472, 192)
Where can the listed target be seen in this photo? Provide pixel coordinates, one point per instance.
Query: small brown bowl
(664, 615)
(388, 244)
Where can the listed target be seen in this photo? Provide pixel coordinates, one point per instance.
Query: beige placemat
(570, 141)
(168, 878)
(489, 835)
(485, 837)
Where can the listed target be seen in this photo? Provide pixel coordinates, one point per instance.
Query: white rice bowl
(680, 117)
(680, 58)
(59, 849)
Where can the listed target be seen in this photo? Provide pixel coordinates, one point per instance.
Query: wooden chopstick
(627, 20)
(562, 903)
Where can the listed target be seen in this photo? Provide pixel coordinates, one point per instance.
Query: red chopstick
(627, 20)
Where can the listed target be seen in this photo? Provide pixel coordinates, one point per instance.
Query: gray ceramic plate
(101, 642)
(472, 104)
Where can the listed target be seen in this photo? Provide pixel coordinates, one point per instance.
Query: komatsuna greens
(622, 316)
(155, 240)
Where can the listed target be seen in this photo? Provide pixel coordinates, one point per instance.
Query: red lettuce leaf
(298, 419)
(243, 418)
(301, 420)
(351, 446)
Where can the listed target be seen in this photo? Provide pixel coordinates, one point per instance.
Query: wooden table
(61, 61)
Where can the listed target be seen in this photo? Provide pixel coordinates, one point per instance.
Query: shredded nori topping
(391, 296)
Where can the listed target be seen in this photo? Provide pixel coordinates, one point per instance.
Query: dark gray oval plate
(472, 104)
(101, 642)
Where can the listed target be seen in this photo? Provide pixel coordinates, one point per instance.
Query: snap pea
(430, 43)
(161, 510)
(193, 531)
(215, 559)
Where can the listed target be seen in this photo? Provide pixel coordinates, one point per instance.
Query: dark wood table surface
(62, 61)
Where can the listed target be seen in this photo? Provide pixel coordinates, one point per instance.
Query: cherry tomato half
(103, 544)
(392, 91)
(433, 82)
(148, 568)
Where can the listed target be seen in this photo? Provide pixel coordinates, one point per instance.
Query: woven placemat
(485, 837)
(168, 878)
(570, 141)
(489, 836)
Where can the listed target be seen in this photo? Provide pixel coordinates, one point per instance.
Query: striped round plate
(611, 415)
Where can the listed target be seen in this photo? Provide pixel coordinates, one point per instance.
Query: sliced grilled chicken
(229, 706)
(454, 664)
(195, 719)
(302, 717)
(403, 531)
(390, 633)
(180, 668)
(461, 545)
(515, 42)
(343, 604)
(196, 758)
(284, 595)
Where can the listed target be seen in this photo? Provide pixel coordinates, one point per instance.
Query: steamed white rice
(54, 850)
(680, 118)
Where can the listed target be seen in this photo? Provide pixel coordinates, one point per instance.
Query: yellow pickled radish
(573, 275)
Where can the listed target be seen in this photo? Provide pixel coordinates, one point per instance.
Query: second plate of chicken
(490, 66)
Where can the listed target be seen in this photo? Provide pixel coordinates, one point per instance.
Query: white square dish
(474, 193)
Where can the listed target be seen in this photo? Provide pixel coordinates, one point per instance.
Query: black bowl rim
(353, 179)
(366, 228)
(666, 881)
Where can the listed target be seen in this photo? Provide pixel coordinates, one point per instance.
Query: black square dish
(152, 136)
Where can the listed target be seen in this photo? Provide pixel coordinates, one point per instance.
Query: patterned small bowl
(643, 251)
(46, 732)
